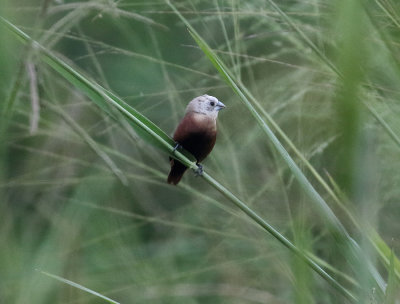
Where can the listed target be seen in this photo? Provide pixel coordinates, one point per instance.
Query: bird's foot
(178, 146)
(199, 170)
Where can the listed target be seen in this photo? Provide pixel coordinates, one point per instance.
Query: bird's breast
(203, 123)
(197, 134)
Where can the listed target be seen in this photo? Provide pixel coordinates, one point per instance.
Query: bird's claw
(178, 146)
(199, 170)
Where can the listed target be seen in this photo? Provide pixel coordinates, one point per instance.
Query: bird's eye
(212, 103)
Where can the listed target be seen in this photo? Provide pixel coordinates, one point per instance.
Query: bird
(196, 133)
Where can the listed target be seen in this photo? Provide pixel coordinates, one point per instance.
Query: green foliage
(307, 150)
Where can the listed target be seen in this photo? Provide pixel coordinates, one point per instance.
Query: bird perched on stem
(196, 133)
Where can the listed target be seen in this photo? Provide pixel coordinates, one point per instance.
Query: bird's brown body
(196, 133)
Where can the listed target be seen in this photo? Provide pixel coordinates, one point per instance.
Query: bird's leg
(199, 170)
(178, 146)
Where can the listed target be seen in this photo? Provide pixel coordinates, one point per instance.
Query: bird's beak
(219, 106)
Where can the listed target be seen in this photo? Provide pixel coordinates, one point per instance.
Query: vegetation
(299, 199)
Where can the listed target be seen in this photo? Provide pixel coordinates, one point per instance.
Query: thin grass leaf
(109, 8)
(383, 123)
(10, 101)
(303, 36)
(384, 37)
(76, 285)
(383, 250)
(393, 284)
(389, 11)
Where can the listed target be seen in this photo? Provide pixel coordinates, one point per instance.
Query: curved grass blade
(393, 284)
(389, 10)
(76, 285)
(303, 36)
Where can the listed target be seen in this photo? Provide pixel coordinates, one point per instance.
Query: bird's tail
(176, 173)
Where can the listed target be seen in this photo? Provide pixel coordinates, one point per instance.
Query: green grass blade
(386, 254)
(389, 11)
(383, 250)
(392, 286)
(304, 37)
(383, 123)
(76, 285)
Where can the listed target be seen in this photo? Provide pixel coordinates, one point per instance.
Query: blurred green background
(327, 72)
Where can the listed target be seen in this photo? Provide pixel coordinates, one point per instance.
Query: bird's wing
(184, 129)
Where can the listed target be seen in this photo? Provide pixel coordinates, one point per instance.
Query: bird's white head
(205, 105)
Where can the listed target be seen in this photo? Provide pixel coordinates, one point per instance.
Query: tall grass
(314, 120)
